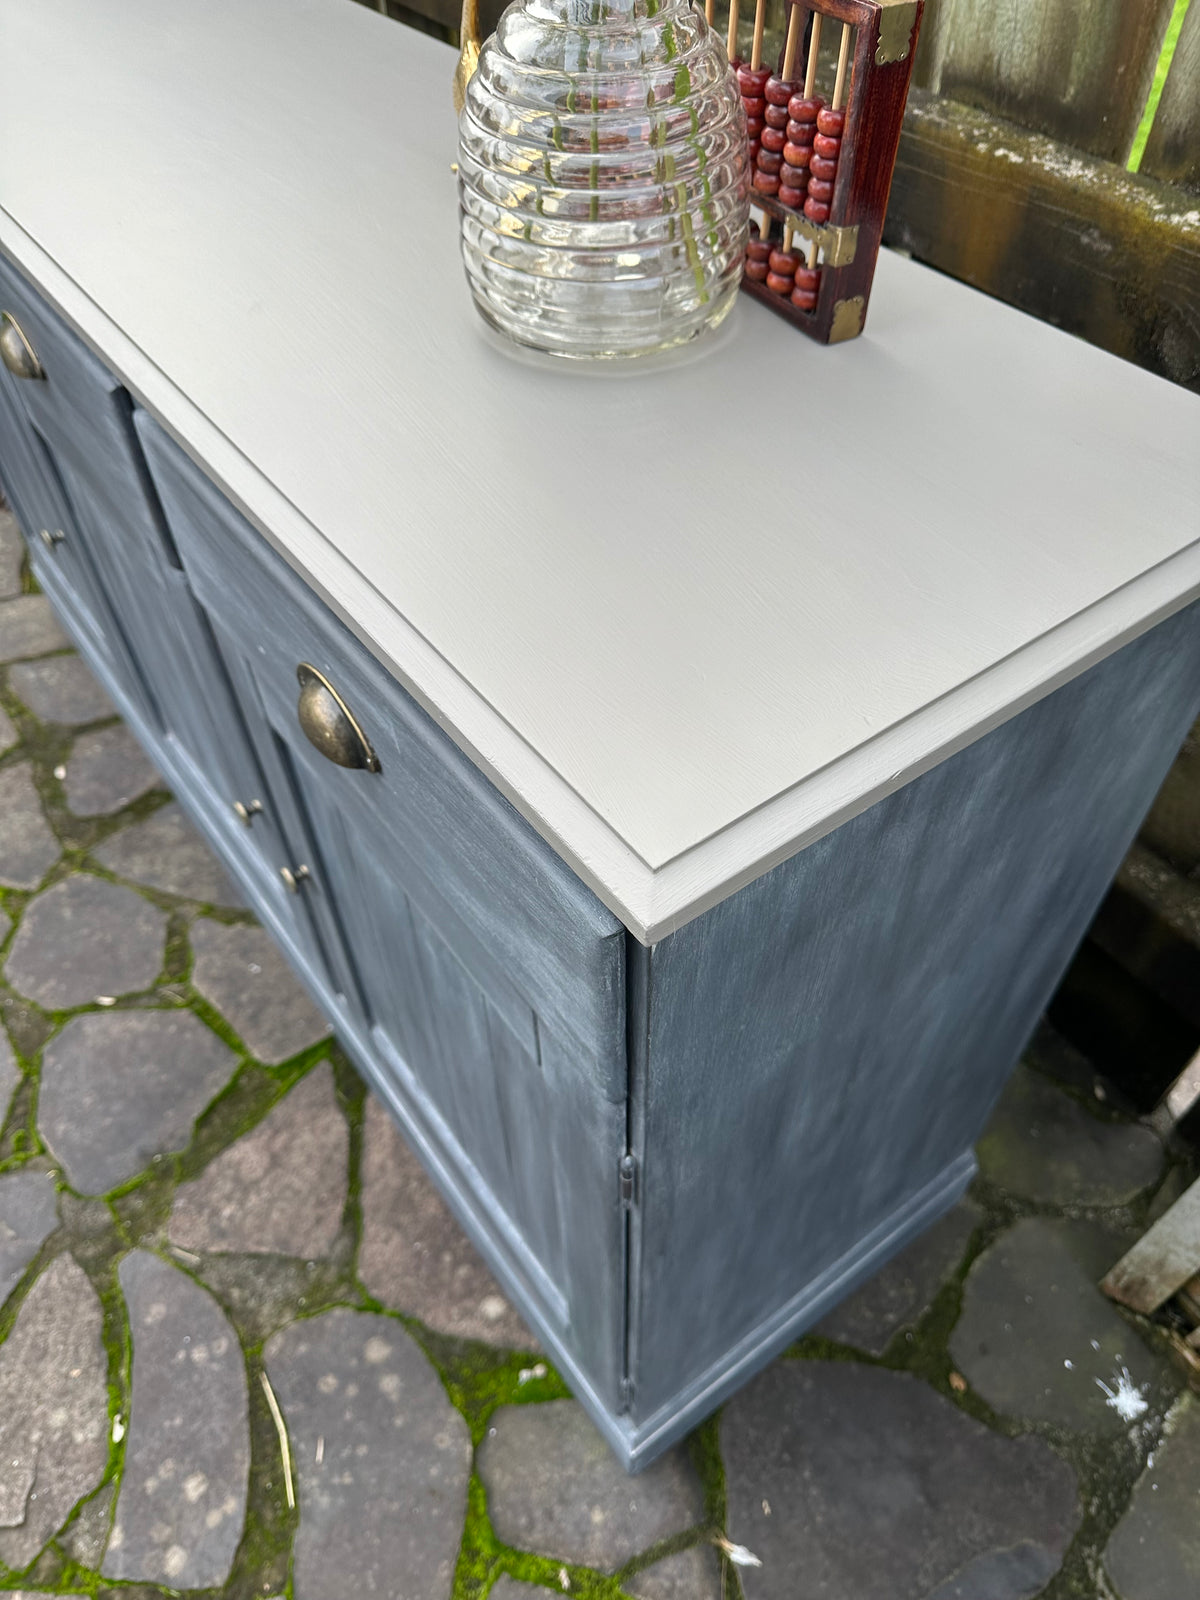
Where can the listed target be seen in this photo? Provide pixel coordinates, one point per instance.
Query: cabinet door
(483, 984)
(102, 551)
(59, 555)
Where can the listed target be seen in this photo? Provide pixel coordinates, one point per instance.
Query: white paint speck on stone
(1126, 1399)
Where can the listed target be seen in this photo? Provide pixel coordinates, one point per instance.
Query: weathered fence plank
(1173, 149)
(1078, 242)
(1076, 70)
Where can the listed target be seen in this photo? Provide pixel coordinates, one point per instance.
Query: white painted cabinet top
(687, 619)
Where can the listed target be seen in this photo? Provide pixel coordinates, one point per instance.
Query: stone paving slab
(902, 1291)
(555, 1487)
(873, 1486)
(693, 1574)
(53, 1409)
(28, 848)
(86, 1539)
(381, 1458)
(1043, 1145)
(8, 733)
(414, 1257)
(10, 1072)
(281, 1188)
(241, 972)
(60, 689)
(84, 938)
(107, 769)
(165, 852)
(12, 554)
(121, 1087)
(182, 1502)
(28, 627)
(1154, 1553)
(28, 1215)
(1036, 1337)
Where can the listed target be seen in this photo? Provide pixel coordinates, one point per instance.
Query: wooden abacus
(821, 167)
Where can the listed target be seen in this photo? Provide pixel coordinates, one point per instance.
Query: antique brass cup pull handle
(16, 351)
(329, 724)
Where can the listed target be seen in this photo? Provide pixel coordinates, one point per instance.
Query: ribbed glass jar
(603, 177)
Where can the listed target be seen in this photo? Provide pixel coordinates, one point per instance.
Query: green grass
(1165, 56)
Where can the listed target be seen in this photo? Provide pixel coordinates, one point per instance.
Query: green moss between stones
(482, 1558)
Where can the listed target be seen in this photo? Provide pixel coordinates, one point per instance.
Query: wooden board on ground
(1163, 1259)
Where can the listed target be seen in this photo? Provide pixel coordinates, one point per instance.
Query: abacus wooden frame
(874, 115)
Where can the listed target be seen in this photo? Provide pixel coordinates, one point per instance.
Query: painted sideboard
(725, 795)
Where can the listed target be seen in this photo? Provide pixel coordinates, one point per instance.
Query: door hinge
(627, 1176)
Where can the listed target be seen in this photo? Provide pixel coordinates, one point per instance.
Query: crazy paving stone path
(246, 1351)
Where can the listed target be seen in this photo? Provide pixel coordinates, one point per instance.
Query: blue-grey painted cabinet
(676, 1156)
(480, 982)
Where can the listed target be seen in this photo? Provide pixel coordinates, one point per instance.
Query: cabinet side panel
(828, 1042)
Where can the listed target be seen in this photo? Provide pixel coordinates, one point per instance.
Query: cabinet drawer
(470, 865)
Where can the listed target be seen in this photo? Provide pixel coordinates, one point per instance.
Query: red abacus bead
(760, 250)
(793, 178)
(802, 110)
(820, 190)
(804, 299)
(824, 146)
(780, 284)
(816, 211)
(788, 196)
(752, 81)
(754, 149)
(769, 161)
(821, 167)
(765, 183)
(772, 139)
(784, 262)
(754, 127)
(808, 278)
(831, 122)
(796, 155)
(776, 116)
(778, 91)
(755, 105)
(757, 271)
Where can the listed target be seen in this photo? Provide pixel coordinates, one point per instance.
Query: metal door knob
(16, 351)
(246, 811)
(293, 877)
(51, 537)
(328, 723)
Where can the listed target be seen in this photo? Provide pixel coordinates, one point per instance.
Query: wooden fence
(1014, 170)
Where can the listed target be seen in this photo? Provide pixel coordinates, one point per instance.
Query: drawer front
(485, 979)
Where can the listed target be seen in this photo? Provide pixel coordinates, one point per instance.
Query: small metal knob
(51, 536)
(247, 811)
(16, 351)
(293, 877)
(328, 723)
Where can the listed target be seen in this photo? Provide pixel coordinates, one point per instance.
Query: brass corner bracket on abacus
(897, 31)
(822, 152)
